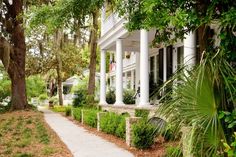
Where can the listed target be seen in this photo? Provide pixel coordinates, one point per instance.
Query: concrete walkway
(79, 141)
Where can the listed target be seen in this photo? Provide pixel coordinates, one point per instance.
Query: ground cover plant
(25, 134)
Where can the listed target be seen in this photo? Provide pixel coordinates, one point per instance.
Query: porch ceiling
(130, 40)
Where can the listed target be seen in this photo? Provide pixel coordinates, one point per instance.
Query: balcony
(129, 61)
(110, 23)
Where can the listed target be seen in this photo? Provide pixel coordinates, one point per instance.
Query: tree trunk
(202, 40)
(16, 68)
(203, 30)
(59, 81)
(93, 54)
(59, 65)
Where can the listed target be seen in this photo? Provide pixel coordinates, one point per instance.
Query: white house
(73, 82)
(142, 63)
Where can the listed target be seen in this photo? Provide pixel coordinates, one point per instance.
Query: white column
(190, 49)
(132, 79)
(144, 64)
(119, 73)
(111, 82)
(126, 80)
(103, 78)
(137, 75)
(164, 65)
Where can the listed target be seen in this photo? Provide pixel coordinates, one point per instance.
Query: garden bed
(157, 150)
(25, 133)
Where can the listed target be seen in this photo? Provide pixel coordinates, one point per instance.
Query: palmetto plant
(195, 101)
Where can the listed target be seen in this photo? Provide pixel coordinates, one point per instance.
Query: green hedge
(68, 111)
(77, 113)
(142, 113)
(143, 134)
(90, 117)
(58, 108)
(65, 109)
(114, 124)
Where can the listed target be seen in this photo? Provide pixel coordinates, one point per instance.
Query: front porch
(155, 64)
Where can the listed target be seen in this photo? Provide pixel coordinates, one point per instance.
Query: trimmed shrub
(129, 97)
(77, 113)
(110, 97)
(65, 109)
(112, 123)
(80, 98)
(68, 111)
(142, 113)
(143, 134)
(121, 129)
(58, 108)
(90, 117)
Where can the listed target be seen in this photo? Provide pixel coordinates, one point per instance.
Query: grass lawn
(26, 134)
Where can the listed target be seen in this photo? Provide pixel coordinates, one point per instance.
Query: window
(169, 57)
(152, 69)
(157, 69)
(160, 79)
(180, 57)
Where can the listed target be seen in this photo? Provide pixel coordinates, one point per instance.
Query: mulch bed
(157, 150)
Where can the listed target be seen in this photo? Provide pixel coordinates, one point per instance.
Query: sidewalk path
(79, 141)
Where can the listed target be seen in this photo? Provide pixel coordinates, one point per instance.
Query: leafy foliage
(58, 108)
(90, 117)
(35, 86)
(80, 98)
(68, 111)
(173, 19)
(43, 97)
(113, 123)
(142, 113)
(143, 134)
(229, 118)
(61, 12)
(54, 100)
(195, 103)
(230, 149)
(77, 113)
(5, 88)
(110, 97)
(129, 97)
(173, 151)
